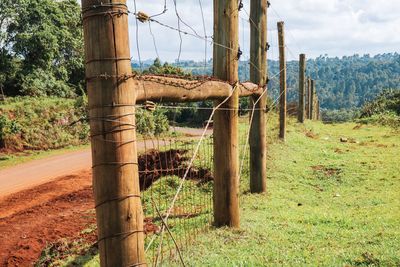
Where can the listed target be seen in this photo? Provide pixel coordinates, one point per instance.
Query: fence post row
(258, 75)
(226, 124)
(119, 212)
(112, 97)
(302, 90)
(282, 71)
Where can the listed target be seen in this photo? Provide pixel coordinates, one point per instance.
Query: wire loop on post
(102, 5)
(116, 199)
(125, 234)
(114, 163)
(108, 59)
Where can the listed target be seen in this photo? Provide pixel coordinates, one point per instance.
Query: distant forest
(41, 54)
(342, 83)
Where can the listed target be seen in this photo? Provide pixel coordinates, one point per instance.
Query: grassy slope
(347, 216)
(32, 124)
(328, 204)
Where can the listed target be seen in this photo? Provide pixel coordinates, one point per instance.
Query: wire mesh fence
(165, 166)
(176, 170)
(180, 166)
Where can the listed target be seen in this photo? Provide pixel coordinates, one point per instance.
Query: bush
(8, 129)
(386, 101)
(41, 123)
(383, 110)
(151, 123)
(388, 118)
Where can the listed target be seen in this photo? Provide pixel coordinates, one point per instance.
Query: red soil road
(33, 218)
(49, 208)
(37, 172)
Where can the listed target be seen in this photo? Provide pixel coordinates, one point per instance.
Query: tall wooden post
(258, 75)
(111, 95)
(308, 98)
(282, 70)
(302, 90)
(226, 142)
(315, 106)
(312, 100)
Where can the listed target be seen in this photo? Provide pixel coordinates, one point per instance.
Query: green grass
(329, 203)
(9, 160)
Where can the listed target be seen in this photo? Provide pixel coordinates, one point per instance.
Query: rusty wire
(163, 166)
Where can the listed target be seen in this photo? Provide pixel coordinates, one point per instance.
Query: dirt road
(36, 172)
(44, 201)
(34, 218)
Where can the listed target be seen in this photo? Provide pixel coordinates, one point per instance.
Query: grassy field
(329, 203)
(333, 200)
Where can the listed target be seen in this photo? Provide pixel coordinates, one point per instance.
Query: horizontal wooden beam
(167, 89)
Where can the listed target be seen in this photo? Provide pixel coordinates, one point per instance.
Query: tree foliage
(41, 49)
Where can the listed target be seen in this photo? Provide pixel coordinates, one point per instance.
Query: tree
(43, 41)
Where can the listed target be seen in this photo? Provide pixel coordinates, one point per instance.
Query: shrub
(388, 100)
(8, 129)
(388, 118)
(41, 123)
(383, 110)
(151, 123)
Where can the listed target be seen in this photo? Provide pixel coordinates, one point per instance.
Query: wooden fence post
(282, 70)
(312, 100)
(226, 142)
(258, 75)
(111, 95)
(302, 90)
(308, 98)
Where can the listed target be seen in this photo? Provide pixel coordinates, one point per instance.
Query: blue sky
(314, 27)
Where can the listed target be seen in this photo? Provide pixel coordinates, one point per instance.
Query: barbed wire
(137, 38)
(119, 124)
(205, 35)
(194, 33)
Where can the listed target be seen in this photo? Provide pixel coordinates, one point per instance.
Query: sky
(313, 27)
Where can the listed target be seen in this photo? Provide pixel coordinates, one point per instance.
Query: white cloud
(315, 27)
